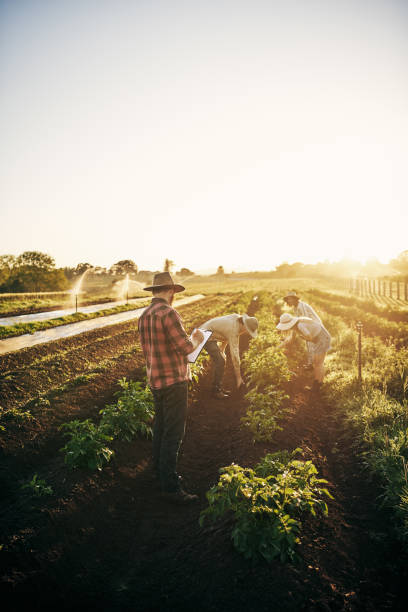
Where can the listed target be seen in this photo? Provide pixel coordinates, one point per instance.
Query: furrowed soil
(107, 540)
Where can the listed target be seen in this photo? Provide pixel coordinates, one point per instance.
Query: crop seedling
(267, 503)
(87, 447)
(37, 487)
(132, 413)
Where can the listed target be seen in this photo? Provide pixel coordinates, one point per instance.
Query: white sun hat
(286, 321)
(251, 325)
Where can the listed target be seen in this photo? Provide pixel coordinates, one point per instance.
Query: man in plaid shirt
(165, 346)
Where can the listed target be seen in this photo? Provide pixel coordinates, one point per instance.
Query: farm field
(107, 539)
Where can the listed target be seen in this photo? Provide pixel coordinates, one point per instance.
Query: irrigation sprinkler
(359, 327)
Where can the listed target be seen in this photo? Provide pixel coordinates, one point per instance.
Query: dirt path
(54, 314)
(109, 541)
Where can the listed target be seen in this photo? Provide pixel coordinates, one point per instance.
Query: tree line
(33, 271)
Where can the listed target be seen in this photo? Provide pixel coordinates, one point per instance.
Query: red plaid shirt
(165, 345)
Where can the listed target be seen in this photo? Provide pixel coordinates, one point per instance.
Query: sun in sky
(217, 133)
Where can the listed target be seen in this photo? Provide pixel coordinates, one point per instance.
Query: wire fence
(366, 287)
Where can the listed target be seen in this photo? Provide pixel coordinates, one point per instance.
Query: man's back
(165, 344)
(224, 328)
(305, 310)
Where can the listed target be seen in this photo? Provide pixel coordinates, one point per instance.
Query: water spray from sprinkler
(77, 287)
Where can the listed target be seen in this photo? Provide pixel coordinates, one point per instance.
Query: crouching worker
(314, 333)
(302, 309)
(165, 346)
(227, 330)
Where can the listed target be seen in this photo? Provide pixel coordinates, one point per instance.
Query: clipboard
(192, 357)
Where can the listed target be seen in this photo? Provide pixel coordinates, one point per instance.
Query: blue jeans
(168, 432)
(218, 359)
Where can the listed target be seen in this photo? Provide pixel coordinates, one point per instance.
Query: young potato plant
(132, 414)
(264, 413)
(88, 445)
(198, 368)
(37, 487)
(267, 503)
(266, 370)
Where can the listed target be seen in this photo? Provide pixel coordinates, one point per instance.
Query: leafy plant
(266, 370)
(267, 503)
(37, 487)
(13, 415)
(264, 413)
(132, 414)
(87, 447)
(197, 368)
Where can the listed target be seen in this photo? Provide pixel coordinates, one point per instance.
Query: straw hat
(163, 280)
(251, 325)
(286, 321)
(291, 294)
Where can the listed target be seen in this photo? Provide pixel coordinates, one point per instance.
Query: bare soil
(108, 540)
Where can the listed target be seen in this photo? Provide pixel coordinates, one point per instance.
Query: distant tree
(7, 263)
(168, 265)
(185, 272)
(123, 267)
(36, 260)
(35, 271)
(82, 267)
(285, 270)
(400, 264)
(220, 270)
(144, 276)
(69, 272)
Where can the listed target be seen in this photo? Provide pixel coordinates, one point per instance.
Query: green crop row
(374, 323)
(267, 502)
(375, 411)
(88, 444)
(266, 370)
(9, 331)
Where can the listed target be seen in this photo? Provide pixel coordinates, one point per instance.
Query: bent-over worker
(226, 330)
(313, 332)
(302, 309)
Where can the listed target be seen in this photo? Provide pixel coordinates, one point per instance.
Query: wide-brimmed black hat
(163, 280)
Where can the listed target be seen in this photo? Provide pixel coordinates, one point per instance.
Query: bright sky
(210, 132)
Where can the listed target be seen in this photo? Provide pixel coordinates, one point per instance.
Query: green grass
(19, 329)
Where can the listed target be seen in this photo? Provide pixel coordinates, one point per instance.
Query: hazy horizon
(217, 133)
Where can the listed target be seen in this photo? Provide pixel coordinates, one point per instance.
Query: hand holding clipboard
(192, 357)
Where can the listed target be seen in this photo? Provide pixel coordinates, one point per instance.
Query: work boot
(314, 388)
(180, 497)
(219, 394)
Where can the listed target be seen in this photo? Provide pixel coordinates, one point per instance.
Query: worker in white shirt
(226, 330)
(313, 332)
(302, 309)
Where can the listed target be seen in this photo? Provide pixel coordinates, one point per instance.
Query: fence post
(390, 289)
(359, 327)
(406, 291)
(398, 290)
